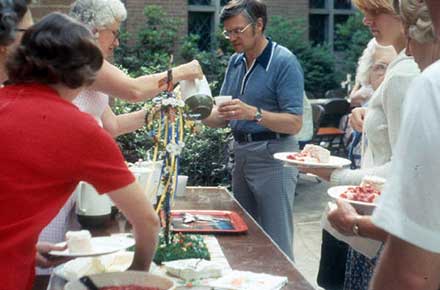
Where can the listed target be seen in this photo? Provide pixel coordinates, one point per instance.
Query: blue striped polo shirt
(274, 82)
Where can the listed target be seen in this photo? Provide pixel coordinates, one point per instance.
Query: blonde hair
(375, 6)
(415, 16)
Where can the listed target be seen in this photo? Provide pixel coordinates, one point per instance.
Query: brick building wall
(174, 8)
(289, 9)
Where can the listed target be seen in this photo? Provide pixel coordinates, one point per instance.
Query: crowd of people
(58, 129)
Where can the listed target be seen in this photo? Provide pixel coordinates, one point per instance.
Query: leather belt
(261, 136)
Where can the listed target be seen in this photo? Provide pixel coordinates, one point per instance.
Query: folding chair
(328, 131)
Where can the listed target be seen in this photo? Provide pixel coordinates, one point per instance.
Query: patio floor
(310, 202)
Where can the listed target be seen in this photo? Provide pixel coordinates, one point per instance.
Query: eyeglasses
(235, 32)
(115, 33)
(379, 68)
(20, 29)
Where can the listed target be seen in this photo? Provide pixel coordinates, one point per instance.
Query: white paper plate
(334, 162)
(360, 206)
(76, 268)
(100, 246)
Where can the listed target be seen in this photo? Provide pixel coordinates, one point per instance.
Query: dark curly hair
(56, 50)
(11, 13)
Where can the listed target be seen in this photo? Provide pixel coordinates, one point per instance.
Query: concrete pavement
(310, 202)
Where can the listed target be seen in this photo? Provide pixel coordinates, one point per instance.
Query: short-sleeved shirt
(47, 147)
(409, 205)
(274, 83)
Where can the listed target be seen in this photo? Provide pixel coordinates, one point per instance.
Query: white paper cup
(182, 180)
(222, 99)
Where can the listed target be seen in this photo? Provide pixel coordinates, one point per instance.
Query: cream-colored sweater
(382, 122)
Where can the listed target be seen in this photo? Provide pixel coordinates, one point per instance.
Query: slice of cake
(193, 269)
(79, 242)
(79, 267)
(319, 153)
(375, 182)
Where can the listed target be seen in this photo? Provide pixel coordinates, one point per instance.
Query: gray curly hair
(98, 14)
(415, 16)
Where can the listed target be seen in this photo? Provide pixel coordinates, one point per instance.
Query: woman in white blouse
(381, 126)
(104, 18)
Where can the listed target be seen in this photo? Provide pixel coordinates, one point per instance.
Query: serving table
(253, 251)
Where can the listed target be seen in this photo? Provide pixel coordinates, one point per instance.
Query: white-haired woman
(370, 71)
(104, 18)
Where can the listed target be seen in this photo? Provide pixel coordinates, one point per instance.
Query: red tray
(207, 221)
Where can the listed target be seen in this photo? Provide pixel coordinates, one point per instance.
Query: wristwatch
(355, 228)
(258, 115)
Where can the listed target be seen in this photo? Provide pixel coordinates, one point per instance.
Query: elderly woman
(104, 18)
(370, 71)
(43, 169)
(370, 74)
(381, 126)
(409, 205)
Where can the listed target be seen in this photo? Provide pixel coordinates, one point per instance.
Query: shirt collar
(263, 59)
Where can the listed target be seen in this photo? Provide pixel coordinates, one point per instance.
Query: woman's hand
(343, 218)
(188, 71)
(324, 173)
(44, 260)
(356, 119)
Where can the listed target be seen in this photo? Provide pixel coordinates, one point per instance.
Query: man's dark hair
(251, 9)
(11, 13)
(56, 50)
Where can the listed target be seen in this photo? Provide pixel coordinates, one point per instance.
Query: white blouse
(92, 102)
(409, 206)
(382, 122)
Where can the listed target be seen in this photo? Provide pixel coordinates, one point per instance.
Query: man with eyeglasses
(266, 83)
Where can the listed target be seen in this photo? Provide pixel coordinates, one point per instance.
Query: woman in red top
(48, 146)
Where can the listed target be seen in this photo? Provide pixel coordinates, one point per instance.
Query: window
(324, 16)
(203, 20)
(200, 23)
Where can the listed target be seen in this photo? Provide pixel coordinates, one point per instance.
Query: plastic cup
(182, 180)
(222, 99)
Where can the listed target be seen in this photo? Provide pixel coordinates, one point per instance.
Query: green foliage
(155, 41)
(204, 157)
(213, 62)
(133, 145)
(317, 61)
(352, 38)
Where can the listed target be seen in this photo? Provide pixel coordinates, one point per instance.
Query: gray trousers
(265, 188)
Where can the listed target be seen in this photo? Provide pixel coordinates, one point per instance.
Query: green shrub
(352, 38)
(213, 62)
(154, 42)
(317, 61)
(204, 157)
